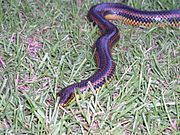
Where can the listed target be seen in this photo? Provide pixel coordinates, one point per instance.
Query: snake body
(100, 14)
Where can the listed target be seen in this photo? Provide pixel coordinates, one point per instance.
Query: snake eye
(66, 100)
(66, 95)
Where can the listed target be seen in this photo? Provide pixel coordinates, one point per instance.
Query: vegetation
(47, 45)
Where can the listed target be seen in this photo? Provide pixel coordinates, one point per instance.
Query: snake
(101, 15)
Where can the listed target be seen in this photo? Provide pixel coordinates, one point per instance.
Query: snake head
(67, 96)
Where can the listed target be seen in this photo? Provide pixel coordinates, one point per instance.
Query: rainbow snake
(100, 14)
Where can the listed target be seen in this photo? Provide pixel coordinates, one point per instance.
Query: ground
(47, 45)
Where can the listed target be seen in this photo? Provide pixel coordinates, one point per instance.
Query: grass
(143, 98)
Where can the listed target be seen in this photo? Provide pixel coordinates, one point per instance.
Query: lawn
(47, 45)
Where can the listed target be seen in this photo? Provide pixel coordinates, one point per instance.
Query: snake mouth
(69, 100)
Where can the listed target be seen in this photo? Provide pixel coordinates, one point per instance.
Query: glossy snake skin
(100, 14)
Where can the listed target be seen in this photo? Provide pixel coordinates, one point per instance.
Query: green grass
(143, 98)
